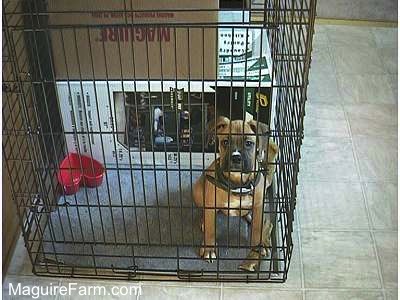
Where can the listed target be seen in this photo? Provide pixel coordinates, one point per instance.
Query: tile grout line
(329, 288)
(370, 224)
(309, 228)
(366, 207)
(351, 180)
(356, 161)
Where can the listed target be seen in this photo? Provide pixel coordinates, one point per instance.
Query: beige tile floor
(346, 234)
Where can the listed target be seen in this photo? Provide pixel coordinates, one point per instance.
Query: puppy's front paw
(252, 262)
(264, 251)
(264, 248)
(208, 254)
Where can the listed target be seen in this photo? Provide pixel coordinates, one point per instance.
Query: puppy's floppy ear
(262, 127)
(216, 125)
(264, 140)
(221, 123)
(272, 150)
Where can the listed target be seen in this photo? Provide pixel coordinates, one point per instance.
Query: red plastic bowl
(70, 174)
(76, 167)
(93, 172)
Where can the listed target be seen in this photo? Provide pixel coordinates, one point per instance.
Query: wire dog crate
(111, 115)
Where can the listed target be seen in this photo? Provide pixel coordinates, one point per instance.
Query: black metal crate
(141, 222)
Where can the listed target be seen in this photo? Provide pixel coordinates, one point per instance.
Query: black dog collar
(227, 185)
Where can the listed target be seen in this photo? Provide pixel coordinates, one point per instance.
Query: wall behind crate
(371, 10)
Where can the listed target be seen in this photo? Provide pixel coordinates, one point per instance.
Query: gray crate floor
(161, 228)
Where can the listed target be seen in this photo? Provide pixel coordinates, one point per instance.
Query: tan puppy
(237, 184)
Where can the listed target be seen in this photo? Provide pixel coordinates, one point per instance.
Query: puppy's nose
(236, 157)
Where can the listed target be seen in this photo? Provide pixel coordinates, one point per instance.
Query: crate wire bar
(65, 90)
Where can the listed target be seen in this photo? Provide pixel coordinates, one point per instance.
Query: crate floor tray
(146, 228)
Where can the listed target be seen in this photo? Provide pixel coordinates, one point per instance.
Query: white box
(90, 120)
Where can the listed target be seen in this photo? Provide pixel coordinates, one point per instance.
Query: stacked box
(155, 111)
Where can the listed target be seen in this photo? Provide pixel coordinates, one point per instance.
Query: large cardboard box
(114, 120)
(102, 39)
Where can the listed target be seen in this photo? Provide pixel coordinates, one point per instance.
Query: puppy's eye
(249, 143)
(225, 142)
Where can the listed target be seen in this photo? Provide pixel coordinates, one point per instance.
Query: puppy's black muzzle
(237, 162)
(236, 158)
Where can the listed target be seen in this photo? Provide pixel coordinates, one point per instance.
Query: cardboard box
(133, 45)
(115, 120)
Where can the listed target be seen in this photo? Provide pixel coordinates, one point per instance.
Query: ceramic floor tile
(344, 295)
(204, 284)
(382, 201)
(296, 219)
(347, 35)
(325, 120)
(386, 243)
(394, 85)
(253, 294)
(320, 37)
(331, 205)
(389, 59)
(321, 60)
(391, 294)
(356, 10)
(372, 119)
(357, 60)
(385, 37)
(339, 260)
(323, 88)
(33, 284)
(173, 292)
(374, 89)
(376, 157)
(327, 159)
